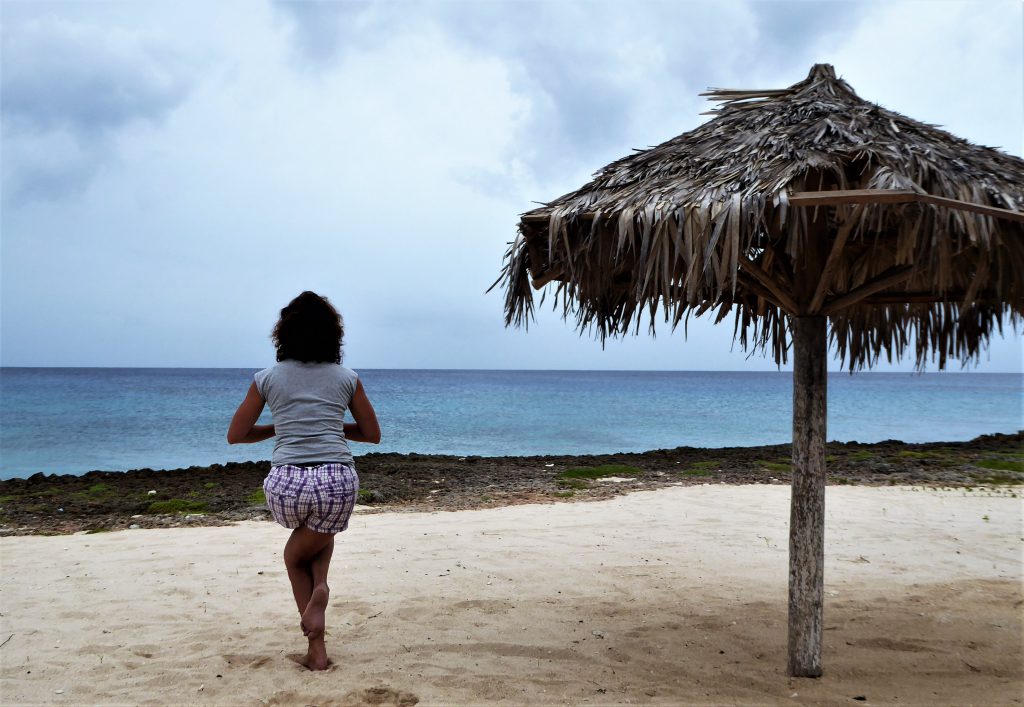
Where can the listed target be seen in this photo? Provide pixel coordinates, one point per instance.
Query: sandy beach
(671, 596)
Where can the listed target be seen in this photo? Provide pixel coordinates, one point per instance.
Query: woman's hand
(243, 429)
(365, 427)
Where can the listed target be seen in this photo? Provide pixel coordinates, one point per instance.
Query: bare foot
(312, 660)
(313, 618)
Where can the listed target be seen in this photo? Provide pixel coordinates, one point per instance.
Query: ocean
(74, 420)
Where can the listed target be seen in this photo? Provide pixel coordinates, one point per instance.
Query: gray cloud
(789, 29)
(67, 88)
(381, 152)
(594, 70)
(578, 105)
(49, 165)
(322, 28)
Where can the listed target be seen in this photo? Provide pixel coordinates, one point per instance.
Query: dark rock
(404, 482)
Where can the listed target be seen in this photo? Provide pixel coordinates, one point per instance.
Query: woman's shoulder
(343, 375)
(273, 370)
(262, 377)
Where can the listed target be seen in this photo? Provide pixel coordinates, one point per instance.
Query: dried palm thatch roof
(720, 220)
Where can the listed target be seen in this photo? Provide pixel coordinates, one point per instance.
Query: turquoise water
(68, 420)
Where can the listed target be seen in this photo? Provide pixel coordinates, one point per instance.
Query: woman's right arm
(243, 429)
(365, 427)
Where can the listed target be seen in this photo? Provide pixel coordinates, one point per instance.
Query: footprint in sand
(145, 651)
(385, 696)
(483, 605)
(908, 646)
(244, 660)
(382, 696)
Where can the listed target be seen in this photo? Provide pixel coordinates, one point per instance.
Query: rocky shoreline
(214, 495)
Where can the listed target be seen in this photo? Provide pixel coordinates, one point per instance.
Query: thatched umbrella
(812, 214)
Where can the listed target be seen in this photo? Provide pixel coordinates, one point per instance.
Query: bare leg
(313, 618)
(307, 556)
(322, 563)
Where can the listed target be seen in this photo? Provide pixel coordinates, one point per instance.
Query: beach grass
(1001, 465)
(777, 467)
(701, 468)
(257, 497)
(577, 484)
(942, 456)
(912, 454)
(96, 491)
(860, 456)
(596, 472)
(368, 496)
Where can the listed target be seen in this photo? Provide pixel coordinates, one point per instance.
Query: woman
(312, 485)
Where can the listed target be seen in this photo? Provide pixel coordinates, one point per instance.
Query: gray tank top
(308, 402)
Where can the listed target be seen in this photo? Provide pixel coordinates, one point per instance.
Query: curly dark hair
(309, 330)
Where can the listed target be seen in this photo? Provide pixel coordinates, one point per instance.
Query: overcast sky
(174, 172)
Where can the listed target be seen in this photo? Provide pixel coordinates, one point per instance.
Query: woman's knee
(292, 560)
(303, 546)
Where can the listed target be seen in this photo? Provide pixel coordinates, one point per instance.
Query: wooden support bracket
(834, 256)
(892, 276)
(784, 299)
(750, 283)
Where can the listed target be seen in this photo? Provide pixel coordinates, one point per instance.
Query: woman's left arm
(243, 429)
(365, 428)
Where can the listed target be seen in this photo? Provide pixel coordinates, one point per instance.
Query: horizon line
(532, 370)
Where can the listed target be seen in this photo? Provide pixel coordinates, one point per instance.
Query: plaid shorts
(318, 497)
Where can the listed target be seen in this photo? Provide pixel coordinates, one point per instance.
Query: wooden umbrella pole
(807, 506)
